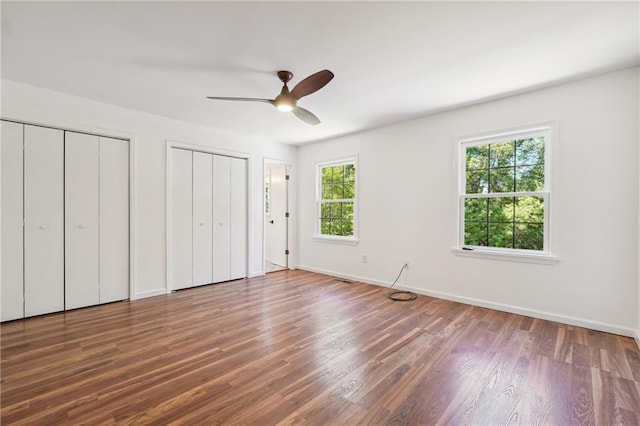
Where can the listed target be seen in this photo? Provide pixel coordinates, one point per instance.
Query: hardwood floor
(301, 348)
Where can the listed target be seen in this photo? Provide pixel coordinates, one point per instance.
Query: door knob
(271, 221)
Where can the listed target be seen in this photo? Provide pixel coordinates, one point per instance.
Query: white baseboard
(152, 293)
(344, 276)
(580, 322)
(256, 274)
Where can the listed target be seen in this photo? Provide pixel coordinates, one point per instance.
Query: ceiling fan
(288, 100)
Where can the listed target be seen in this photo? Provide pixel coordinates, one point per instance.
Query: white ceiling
(392, 61)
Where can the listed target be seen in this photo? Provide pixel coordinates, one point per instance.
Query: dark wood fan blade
(223, 98)
(305, 115)
(311, 84)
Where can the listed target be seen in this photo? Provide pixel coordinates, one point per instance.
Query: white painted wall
(407, 206)
(150, 133)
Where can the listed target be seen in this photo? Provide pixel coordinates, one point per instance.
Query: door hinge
(286, 214)
(286, 252)
(286, 177)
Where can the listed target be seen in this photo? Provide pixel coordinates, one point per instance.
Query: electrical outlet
(365, 258)
(406, 262)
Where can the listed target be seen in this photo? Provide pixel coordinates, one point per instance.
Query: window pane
(475, 234)
(332, 191)
(325, 210)
(502, 180)
(336, 210)
(530, 151)
(477, 157)
(325, 226)
(501, 154)
(347, 211)
(530, 178)
(477, 182)
(349, 172)
(475, 210)
(529, 236)
(501, 235)
(501, 209)
(530, 209)
(344, 228)
(349, 190)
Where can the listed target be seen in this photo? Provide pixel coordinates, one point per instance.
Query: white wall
(407, 206)
(150, 133)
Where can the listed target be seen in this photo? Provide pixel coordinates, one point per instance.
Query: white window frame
(545, 255)
(351, 239)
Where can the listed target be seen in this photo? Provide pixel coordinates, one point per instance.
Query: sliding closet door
(12, 216)
(181, 219)
(221, 218)
(44, 220)
(81, 186)
(202, 218)
(238, 218)
(114, 220)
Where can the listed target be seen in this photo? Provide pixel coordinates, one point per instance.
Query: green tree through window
(505, 195)
(337, 194)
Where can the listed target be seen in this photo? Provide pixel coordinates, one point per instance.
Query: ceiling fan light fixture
(287, 101)
(285, 107)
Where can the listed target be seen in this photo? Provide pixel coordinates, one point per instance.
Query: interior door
(221, 218)
(12, 217)
(81, 186)
(44, 220)
(114, 220)
(202, 218)
(238, 218)
(181, 219)
(276, 222)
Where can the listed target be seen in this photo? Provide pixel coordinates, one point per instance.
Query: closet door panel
(44, 220)
(114, 220)
(221, 218)
(81, 186)
(12, 215)
(202, 218)
(181, 219)
(238, 218)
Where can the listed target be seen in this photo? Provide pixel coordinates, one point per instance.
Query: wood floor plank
(296, 347)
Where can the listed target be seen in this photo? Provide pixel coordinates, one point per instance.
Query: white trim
(290, 209)
(255, 274)
(351, 277)
(108, 133)
(318, 236)
(637, 338)
(172, 144)
(549, 131)
(208, 149)
(336, 239)
(515, 256)
(152, 293)
(533, 313)
(564, 319)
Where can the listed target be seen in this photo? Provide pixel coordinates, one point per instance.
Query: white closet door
(12, 291)
(44, 220)
(221, 218)
(202, 218)
(181, 219)
(238, 218)
(81, 203)
(114, 220)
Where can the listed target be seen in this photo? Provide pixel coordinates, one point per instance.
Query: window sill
(544, 259)
(336, 240)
